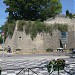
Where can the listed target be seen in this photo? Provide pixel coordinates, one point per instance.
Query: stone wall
(24, 42)
(43, 41)
(71, 28)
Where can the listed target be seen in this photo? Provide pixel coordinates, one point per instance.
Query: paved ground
(17, 62)
(48, 56)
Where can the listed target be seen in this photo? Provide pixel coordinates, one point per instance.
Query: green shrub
(49, 50)
(58, 64)
(18, 49)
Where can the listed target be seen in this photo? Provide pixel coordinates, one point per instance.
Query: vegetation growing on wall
(21, 24)
(35, 27)
(61, 27)
(8, 28)
(32, 28)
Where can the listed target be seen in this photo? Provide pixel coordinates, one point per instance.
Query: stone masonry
(43, 41)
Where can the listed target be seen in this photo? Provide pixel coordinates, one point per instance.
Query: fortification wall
(22, 41)
(71, 28)
(43, 41)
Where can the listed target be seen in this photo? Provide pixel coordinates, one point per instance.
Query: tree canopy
(32, 9)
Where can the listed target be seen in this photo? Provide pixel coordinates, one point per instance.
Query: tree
(67, 12)
(8, 29)
(55, 7)
(70, 15)
(32, 9)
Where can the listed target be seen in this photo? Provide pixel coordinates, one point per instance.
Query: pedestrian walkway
(14, 67)
(26, 67)
(13, 64)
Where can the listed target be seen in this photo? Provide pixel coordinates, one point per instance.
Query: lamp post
(3, 42)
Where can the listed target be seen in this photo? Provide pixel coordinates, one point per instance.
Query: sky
(66, 5)
(3, 15)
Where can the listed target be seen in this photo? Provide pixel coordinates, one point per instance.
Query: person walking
(9, 49)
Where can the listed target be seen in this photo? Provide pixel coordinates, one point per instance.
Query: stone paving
(13, 64)
(14, 67)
